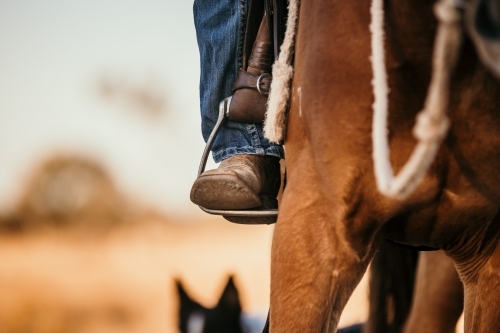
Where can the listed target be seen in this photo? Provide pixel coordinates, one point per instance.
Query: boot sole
(223, 192)
(268, 202)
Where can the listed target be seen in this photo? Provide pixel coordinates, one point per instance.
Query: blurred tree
(67, 190)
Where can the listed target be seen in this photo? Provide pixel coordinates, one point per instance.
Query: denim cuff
(222, 154)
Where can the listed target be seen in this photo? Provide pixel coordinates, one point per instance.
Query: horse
(332, 217)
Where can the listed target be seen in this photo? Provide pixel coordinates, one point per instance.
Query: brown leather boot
(240, 182)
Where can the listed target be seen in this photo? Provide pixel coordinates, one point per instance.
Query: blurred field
(79, 257)
(121, 279)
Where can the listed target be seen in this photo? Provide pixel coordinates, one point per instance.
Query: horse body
(332, 218)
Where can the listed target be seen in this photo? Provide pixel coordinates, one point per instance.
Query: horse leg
(392, 280)
(481, 279)
(315, 265)
(438, 296)
(313, 274)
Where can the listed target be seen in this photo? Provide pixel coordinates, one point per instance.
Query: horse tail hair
(392, 277)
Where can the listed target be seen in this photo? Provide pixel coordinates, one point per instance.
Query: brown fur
(332, 218)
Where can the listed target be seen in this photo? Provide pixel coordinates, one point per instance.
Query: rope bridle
(432, 123)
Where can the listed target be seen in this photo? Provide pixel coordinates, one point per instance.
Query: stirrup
(250, 214)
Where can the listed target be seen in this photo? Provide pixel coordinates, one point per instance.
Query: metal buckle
(259, 82)
(255, 213)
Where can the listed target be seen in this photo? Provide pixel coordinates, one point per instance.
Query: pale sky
(54, 53)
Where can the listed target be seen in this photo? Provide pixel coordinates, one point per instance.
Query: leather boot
(252, 84)
(240, 182)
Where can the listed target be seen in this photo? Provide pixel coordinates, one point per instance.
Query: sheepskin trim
(277, 104)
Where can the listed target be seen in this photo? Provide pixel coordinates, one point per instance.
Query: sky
(71, 78)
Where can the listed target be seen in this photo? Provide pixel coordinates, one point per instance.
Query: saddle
(265, 30)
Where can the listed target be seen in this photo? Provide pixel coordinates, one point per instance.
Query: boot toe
(223, 191)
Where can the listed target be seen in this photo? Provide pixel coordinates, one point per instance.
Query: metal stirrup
(223, 114)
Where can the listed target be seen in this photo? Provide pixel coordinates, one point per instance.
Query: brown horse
(332, 218)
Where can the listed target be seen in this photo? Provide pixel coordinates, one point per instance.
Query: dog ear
(187, 307)
(225, 317)
(181, 292)
(230, 298)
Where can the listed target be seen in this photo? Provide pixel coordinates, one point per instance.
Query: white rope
(432, 123)
(275, 124)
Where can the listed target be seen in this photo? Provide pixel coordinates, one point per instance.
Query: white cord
(432, 123)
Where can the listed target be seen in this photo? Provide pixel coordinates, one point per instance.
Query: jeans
(220, 28)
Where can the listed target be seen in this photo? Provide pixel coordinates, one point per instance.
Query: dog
(225, 317)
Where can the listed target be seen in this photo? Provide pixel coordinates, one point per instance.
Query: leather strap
(254, 17)
(249, 81)
(266, 24)
(278, 9)
(277, 14)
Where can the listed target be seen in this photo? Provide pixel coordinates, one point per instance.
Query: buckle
(260, 82)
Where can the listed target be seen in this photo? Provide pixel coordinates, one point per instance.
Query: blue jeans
(220, 28)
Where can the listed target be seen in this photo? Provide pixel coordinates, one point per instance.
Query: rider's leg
(238, 181)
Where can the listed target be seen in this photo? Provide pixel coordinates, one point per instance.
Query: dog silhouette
(225, 317)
